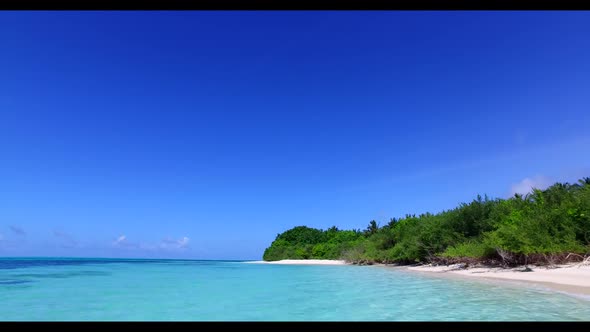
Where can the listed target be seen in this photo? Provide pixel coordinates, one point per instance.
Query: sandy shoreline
(572, 278)
(302, 262)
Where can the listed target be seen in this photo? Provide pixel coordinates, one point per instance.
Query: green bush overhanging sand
(549, 226)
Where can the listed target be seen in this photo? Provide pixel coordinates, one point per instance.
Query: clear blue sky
(204, 134)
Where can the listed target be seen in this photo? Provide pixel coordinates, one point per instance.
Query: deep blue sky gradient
(229, 127)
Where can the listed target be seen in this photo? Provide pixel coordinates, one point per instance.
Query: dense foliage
(545, 226)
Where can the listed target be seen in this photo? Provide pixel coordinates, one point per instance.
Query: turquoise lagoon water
(171, 290)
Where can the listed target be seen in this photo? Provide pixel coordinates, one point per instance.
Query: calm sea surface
(67, 289)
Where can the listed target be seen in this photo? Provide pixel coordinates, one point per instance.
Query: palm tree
(392, 222)
(372, 228)
(333, 229)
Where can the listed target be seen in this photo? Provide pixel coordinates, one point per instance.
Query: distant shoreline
(302, 262)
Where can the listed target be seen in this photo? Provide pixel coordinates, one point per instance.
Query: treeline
(544, 227)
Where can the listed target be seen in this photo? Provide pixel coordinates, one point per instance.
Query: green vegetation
(543, 227)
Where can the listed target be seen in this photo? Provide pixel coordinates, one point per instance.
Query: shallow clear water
(113, 289)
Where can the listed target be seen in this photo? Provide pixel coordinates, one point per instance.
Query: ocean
(74, 289)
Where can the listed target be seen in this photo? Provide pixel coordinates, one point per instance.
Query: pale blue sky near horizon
(204, 134)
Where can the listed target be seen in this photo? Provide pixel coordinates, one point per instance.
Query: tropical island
(545, 227)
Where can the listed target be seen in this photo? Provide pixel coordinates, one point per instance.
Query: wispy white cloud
(120, 240)
(526, 185)
(18, 230)
(169, 243)
(166, 244)
(123, 242)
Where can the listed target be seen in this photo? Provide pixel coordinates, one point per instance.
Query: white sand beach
(571, 278)
(302, 262)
